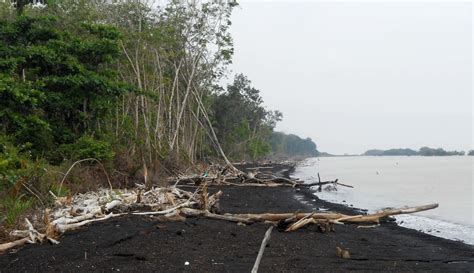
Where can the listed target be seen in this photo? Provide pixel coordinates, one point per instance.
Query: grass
(14, 208)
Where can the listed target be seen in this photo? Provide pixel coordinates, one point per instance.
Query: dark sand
(143, 244)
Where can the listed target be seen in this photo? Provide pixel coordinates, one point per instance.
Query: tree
(241, 121)
(284, 146)
(55, 86)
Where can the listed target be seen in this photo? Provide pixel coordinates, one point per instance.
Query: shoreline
(354, 210)
(137, 243)
(398, 185)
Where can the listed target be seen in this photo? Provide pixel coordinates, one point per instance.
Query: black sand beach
(144, 244)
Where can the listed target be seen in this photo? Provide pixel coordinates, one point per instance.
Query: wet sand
(144, 244)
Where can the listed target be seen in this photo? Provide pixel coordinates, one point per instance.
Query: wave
(438, 228)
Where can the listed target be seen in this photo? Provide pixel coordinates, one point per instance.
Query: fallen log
(375, 218)
(335, 218)
(207, 214)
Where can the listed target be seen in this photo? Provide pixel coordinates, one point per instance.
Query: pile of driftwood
(73, 212)
(171, 203)
(256, 177)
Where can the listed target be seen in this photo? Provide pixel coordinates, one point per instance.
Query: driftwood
(31, 235)
(82, 209)
(302, 222)
(207, 214)
(6, 246)
(64, 228)
(342, 253)
(217, 176)
(173, 203)
(303, 219)
(262, 249)
(322, 183)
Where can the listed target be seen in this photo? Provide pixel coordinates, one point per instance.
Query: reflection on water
(382, 182)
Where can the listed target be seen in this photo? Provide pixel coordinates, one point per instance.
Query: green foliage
(59, 191)
(284, 146)
(242, 124)
(11, 164)
(16, 167)
(13, 208)
(17, 172)
(259, 148)
(54, 84)
(88, 147)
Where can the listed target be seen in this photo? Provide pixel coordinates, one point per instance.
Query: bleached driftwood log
(65, 227)
(31, 235)
(265, 240)
(6, 246)
(302, 219)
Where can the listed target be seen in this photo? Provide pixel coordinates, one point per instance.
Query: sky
(356, 75)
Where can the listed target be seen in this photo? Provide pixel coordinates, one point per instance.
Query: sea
(396, 181)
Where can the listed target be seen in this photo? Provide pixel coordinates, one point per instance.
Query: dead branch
(6, 246)
(262, 249)
(63, 228)
(302, 222)
(322, 183)
(82, 160)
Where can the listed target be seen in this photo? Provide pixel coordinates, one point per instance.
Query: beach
(144, 244)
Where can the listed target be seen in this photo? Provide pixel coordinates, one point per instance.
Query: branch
(262, 249)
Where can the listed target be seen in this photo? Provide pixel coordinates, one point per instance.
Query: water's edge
(428, 226)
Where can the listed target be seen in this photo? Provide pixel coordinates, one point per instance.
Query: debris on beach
(343, 253)
(73, 212)
(224, 175)
(175, 204)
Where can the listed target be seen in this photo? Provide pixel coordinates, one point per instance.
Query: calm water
(382, 182)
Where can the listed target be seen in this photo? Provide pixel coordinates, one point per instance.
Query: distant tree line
(423, 151)
(289, 145)
(245, 127)
(471, 152)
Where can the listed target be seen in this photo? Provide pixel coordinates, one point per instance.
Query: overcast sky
(360, 75)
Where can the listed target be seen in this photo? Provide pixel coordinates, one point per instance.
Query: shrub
(12, 164)
(87, 147)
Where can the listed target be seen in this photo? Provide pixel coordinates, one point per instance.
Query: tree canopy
(242, 123)
(284, 145)
(54, 84)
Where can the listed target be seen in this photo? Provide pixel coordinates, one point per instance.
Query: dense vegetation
(471, 152)
(129, 89)
(242, 124)
(424, 151)
(283, 145)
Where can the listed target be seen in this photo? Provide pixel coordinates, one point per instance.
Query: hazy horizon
(362, 75)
